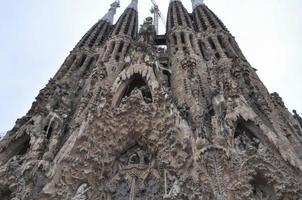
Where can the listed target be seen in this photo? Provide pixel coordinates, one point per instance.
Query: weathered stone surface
(124, 119)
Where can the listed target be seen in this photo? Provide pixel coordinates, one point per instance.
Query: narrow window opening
(90, 64)
(175, 39)
(83, 58)
(117, 58)
(201, 48)
(167, 78)
(217, 55)
(223, 46)
(121, 47)
(221, 42)
(24, 147)
(261, 188)
(182, 36)
(171, 17)
(112, 47)
(191, 41)
(48, 131)
(213, 46)
(128, 48)
(137, 83)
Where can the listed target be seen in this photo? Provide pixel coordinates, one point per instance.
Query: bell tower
(133, 115)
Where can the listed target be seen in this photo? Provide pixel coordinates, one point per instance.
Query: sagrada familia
(134, 115)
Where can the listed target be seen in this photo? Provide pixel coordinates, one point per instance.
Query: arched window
(244, 139)
(261, 188)
(138, 84)
(48, 131)
(182, 36)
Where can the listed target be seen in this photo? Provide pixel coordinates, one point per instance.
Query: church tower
(132, 115)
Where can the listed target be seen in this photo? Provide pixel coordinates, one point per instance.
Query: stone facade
(125, 119)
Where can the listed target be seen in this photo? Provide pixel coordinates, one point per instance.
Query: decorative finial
(197, 3)
(133, 4)
(110, 14)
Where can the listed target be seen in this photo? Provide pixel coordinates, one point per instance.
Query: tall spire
(197, 3)
(133, 4)
(110, 14)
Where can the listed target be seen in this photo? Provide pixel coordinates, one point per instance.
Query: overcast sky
(36, 36)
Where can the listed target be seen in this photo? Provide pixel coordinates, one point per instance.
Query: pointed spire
(133, 4)
(110, 14)
(196, 3)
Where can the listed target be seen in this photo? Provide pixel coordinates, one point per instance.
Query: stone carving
(81, 192)
(155, 119)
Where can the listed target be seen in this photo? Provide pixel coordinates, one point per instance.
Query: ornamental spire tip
(133, 4)
(196, 3)
(110, 14)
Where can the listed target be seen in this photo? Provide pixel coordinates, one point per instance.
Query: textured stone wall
(116, 122)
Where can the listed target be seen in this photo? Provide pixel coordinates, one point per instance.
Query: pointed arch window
(261, 188)
(136, 84)
(245, 139)
(83, 58)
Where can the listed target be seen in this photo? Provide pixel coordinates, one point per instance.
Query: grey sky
(36, 36)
